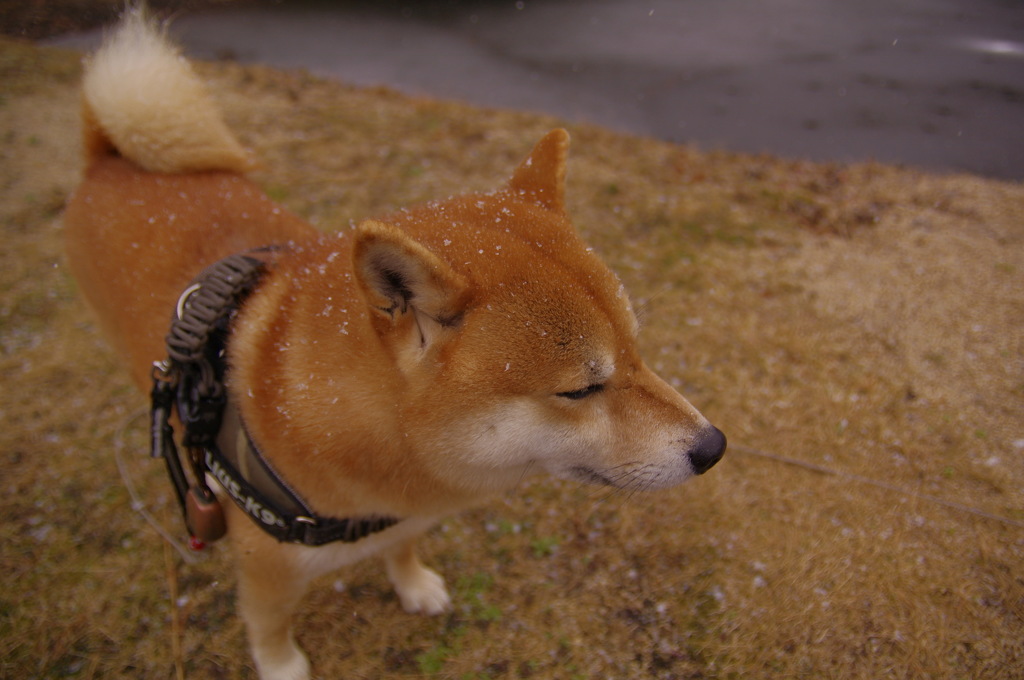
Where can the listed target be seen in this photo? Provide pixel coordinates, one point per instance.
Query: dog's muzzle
(708, 450)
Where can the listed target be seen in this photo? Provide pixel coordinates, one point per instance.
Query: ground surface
(863, 321)
(936, 85)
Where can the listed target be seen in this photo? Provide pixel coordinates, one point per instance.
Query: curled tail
(142, 99)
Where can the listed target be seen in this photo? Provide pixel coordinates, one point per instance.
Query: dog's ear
(398, 275)
(541, 177)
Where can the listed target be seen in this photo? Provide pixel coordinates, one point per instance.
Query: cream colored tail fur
(142, 98)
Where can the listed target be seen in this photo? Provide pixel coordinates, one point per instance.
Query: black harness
(191, 381)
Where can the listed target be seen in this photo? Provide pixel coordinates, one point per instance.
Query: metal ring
(184, 298)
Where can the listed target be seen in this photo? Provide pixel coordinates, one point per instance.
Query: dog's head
(518, 345)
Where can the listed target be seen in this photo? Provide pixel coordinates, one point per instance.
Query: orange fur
(410, 367)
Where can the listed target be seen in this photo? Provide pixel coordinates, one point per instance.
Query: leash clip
(162, 372)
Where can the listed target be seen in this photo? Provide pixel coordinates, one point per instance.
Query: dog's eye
(584, 393)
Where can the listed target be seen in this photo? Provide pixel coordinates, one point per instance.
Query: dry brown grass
(865, 319)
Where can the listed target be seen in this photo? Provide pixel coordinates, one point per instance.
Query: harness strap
(283, 523)
(191, 380)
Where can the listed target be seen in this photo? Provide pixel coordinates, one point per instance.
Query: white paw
(292, 666)
(423, 592)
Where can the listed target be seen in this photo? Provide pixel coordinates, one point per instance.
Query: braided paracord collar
(191, 381)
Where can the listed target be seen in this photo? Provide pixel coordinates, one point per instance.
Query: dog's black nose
(708, 451)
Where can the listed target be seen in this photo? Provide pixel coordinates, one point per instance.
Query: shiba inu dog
(407, 368)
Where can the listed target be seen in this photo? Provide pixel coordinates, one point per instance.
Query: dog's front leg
(269, 590)
(420, 589)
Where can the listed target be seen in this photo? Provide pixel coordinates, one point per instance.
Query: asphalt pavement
(937, 84)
